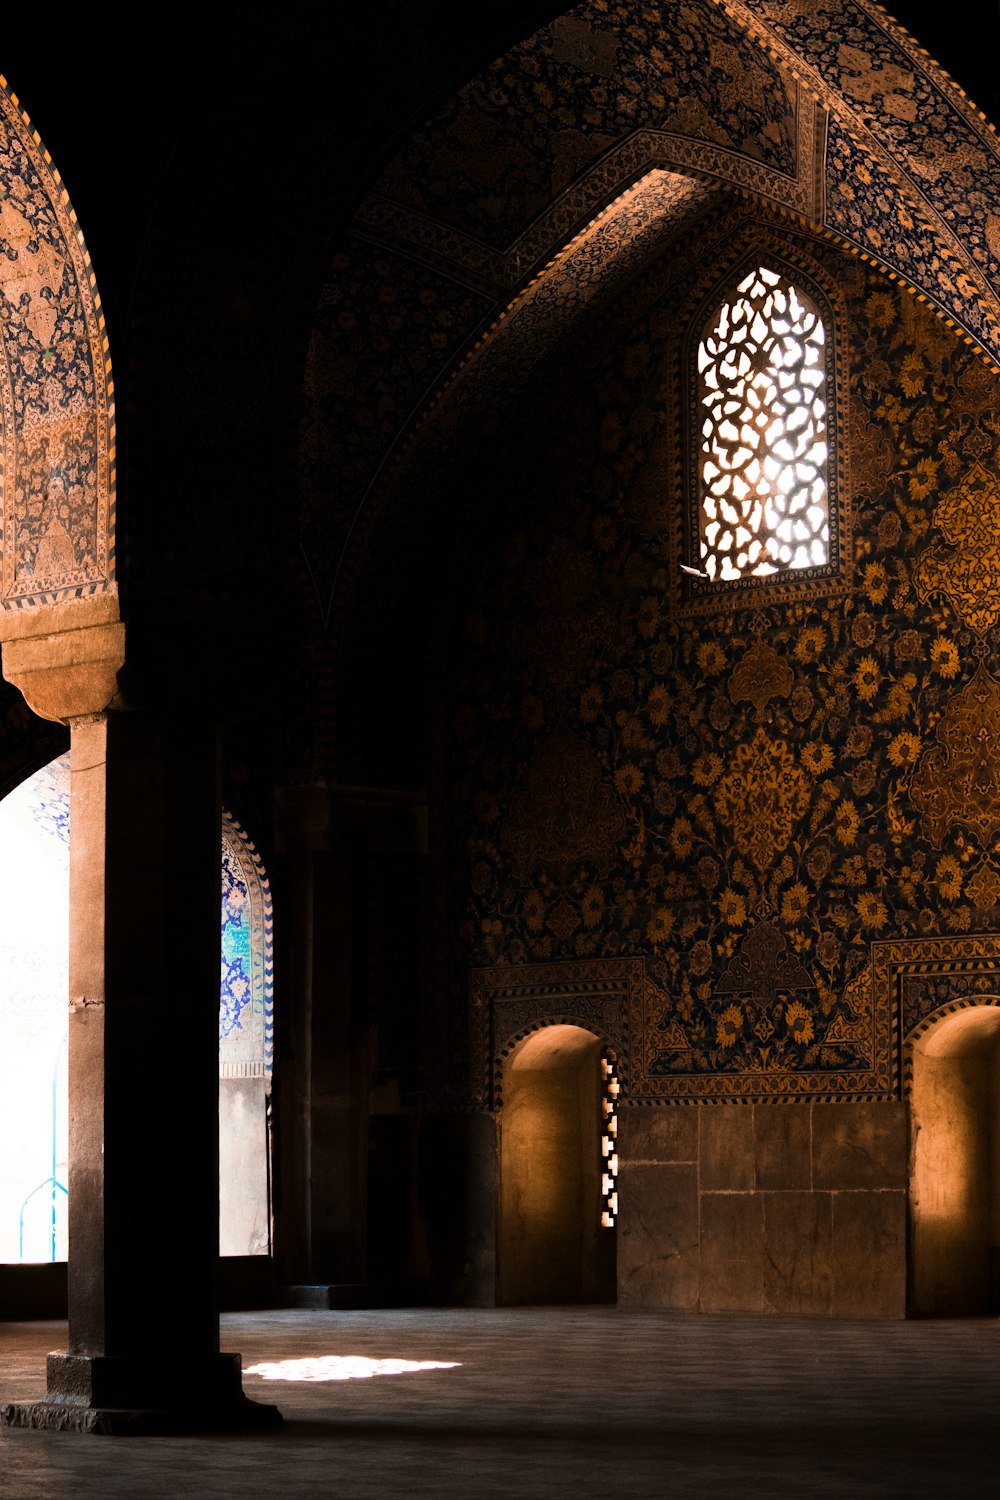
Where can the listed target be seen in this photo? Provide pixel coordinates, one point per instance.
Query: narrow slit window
(610, 1088)
(762, 428)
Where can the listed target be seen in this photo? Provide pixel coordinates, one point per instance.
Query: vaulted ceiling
(563, 169)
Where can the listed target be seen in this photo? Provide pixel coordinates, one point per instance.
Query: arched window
(245, 1047)
(762, 432)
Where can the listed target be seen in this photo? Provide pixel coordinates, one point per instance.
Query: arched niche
(955, 1164)
(551, 1244)
(34, 964)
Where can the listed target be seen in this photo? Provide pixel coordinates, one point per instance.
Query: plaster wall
(796, 1209)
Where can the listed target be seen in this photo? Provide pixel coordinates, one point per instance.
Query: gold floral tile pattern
(965, 567)
(957, 782)
(526, 128)
(773, 765)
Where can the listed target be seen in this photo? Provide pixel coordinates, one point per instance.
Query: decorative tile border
(616, 999)
(507, 1003)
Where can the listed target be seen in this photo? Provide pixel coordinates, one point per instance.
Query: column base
(122, 1394)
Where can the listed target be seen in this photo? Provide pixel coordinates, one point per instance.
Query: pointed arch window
(763, 421)
(34, 979)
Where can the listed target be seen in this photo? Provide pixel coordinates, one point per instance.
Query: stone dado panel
(764, 1208)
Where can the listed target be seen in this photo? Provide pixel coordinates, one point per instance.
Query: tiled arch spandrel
(57, 480)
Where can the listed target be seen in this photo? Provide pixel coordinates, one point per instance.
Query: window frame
(785, 583)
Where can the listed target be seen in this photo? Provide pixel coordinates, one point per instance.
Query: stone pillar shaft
(143, 1035)
(145, 846)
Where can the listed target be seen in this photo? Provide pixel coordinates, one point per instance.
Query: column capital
(65, 658)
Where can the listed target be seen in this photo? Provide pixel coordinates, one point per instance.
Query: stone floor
(575, 1402)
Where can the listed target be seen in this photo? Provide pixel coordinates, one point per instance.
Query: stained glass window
(762, 428)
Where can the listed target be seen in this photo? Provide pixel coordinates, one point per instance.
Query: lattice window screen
(763, 456)
(609, 1143)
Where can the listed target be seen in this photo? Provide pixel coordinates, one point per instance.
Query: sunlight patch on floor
(343, 1367)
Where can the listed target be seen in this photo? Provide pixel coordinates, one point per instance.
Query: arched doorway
(34, 965)
(955, 1165)
(555, 1232)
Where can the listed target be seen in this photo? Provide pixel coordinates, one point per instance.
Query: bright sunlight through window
(763, 456)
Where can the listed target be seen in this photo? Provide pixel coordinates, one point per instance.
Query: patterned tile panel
(514, 138)
(913, 171)
(890, 85)
(57, 419)
(756, 825)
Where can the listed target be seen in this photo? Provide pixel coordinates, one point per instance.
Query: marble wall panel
(868, 1253)
(658, 1236)
(798, 1270)
(726, 1149)
(657, 1135)
(859, 1146)
(783, 1147)
(732, 1252)
(796, 1210)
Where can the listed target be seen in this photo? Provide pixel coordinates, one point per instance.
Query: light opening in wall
(34, 982)
(610, 1087)
(762, 374)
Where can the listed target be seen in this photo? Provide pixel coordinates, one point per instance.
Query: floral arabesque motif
(512, 137)
(864, 678)
(234, 994)
(763, 968)
(762, 798)
(245, 997)
(760, 676)
(968, 574)
(565, 815)
(958, 780)
(58, 468)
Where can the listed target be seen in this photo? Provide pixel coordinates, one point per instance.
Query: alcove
(955, 1166)
(551, 1244)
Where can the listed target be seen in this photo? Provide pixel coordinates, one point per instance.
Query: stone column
(143, 1052)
